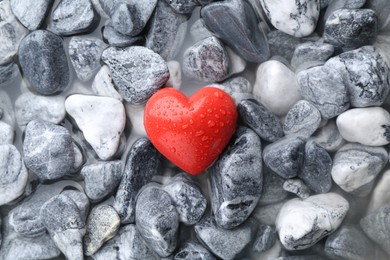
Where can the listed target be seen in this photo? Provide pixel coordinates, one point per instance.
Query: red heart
(190, 132)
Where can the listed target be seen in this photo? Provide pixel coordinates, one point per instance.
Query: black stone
(193, 251)
(265, 238)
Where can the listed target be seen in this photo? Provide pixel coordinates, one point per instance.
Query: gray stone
(101, 178)
(382, 10)
(8, 73)
(116, 39)
(157, 219)
(74, 17)
(311, 54)
(206, 60)
(44, 63)
(285, 156)
(272, 191)
(48, 150)
(183, 6)
(297, 187)
(236, 179)
(142, 163)
(137, 72)
(199, 30)
(81, 201)
(189, 201)
(265, 238)
(167, 30)
(283, 44)
(7, 133)
(267, 125)
(235, 23)
(31, 13)
(193, 250)
(329, 137)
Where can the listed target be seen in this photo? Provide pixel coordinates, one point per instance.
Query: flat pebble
(265, 238)
(380, 195)
(302, 223)
(8, 73)
(297, 187)
(356, 166)
(117, 39)
(311, 54)
(193, 250)
(137, 72)
(272, 191)
(7, 133)
(236, 179)
(81, 201)
(31, 13)
(329, 137)
(103, 85)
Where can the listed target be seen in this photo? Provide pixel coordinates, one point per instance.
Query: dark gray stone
(206, 60)
(272, 191)
(317, 167)
(283, 44)
(267, 125)
(265, 238)
(116, 39)
(285, 156)
(157, 219)
(74, 17)
(235, 22)
(310, 54)
(325, 88)
(31, 13)
(137, 72)
(193, 251)
(167, 31)
(142, 163)
(48, 150)
(101, 178)
(199, 30)
(43, 61)
(297, 187)
(8, 73)
(189, 201)
(351, 28)
(183, 6)
(236, 179)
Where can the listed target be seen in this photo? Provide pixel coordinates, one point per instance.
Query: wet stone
(74, 17)
(157, 219)
(7, 133)
(81, 201)
(265, 238)
(206, 60)
(137, 72)
(235, 23)
(298, 187)
(103, 85)
(183, 6)
(142, 164)
(8, 73)
(101, 178)
(236, 179)
(116, 39)
(272, 191)
(43, 62)
(189, 201)
(102, 225)
(329, 137)
(31, 13)
(48, 150)
(193, 250)
(311, 54)
(267, 125)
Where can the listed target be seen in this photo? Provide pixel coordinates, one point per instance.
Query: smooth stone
(266, 214)
(157, 219)
(48, 150)
(239, 88)
(183, 6)
(31, 13)
(302, 223)
(272, 191)
(272, 79)
(136, 71)
(175, 79)
(282, 44)
(311, 54)
(193, 250)
(73, 17)
(131, 16)
(224, 243)
(349, 242)
(102, 225)
(380, 195)
(265, 238)
(356, 166)
(84, 54)
(30, 106)
(101, 178)
(199, 30)
(91, 114)
(7, 133)
(365, 73)
(297, 187)
(127, 244)
(187, 197)
(369, 126)
(302, 119)
(382, 10)
(256, 116)
(167, 30)
(349, 29)
(62, 218)
(377, 228)
(285, 156)
(103, 85)
(235, 23)
(11, 31)
(206, 60)
(116, 39)
(329, 137)
(8, 73)
(317, 167)
(80, 199)
(142, 164)
(44, 63)
(13, 174)
(325, 88)
(7, 109)
(236, 179)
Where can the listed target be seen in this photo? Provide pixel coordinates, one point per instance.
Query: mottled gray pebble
(31, 13)
(265, 238)
(298, 187)
(193, 251)
(8, 73)
(329, 137)
(7, 133)
(311, 54)
(272, 191)
(81, 201)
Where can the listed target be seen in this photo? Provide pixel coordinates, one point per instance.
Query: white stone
(276, 87)
(175, 73)
(7, 133)
(103, 84)
(295, 17)
(302, 223)
(368, 126)
(381, 194)
(101, 119)
(136, 116)
(237, 64)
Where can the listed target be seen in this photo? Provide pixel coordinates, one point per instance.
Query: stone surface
(265, 238)
(7, 109)
(44, 63)
(311, 54)
(7, 133)
(297, 187)
(8, 73)
(272, 191)
(237, 64)
(142, 163)
(193, 250)
(380, 195)
(239, 88)
(356, 166)
(266, 214)
(236, 179)
(81, 201)
(103, 85)
(136, 71)
(329, 137)
(302, 223)
(282, 44)
(382, 9)
(235, 23)
(116, 39)
(183, 6)
(31, 13)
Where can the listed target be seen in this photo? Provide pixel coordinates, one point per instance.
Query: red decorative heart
(190, 132)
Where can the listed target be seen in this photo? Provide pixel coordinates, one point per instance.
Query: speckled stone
(311, 54)
(7, 133)
(8, 73)
(31, 13)
(329, 137)
(265, 238)
(297, 187)
(193, 250)
(116, 39)
(282, 44)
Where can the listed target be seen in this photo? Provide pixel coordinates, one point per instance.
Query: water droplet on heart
(210, 123)
(204, 138)
(172, 149)
(221, 124)
(202, 116)
(218, 94)
(223, 112)
(157, 127)
(191, 109)
(180, 120)
(216, 131)
(209, 111)
(174, 125)
(184, 126)
(191, 121)
(217, 116)
(199, 133)
(158, 113)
